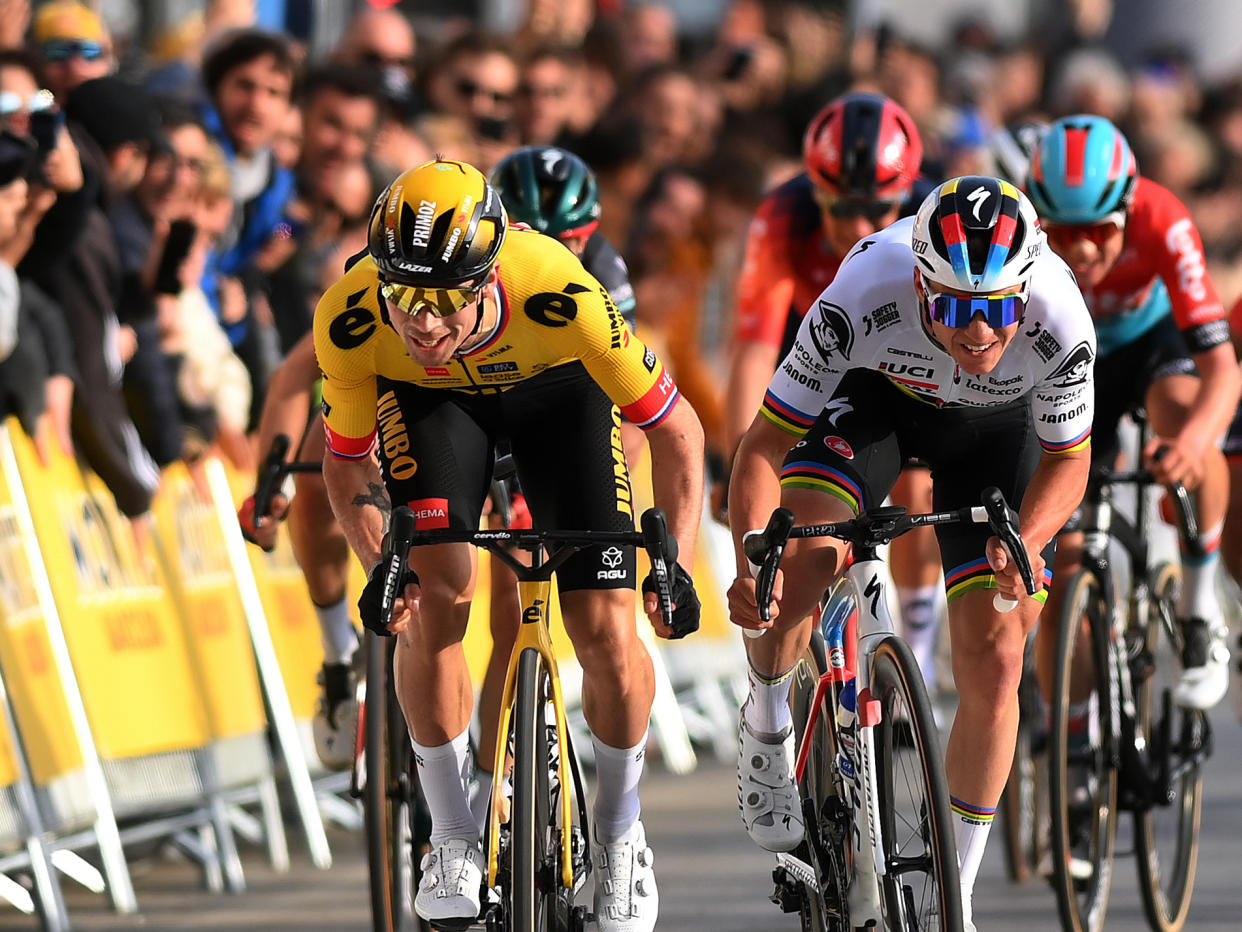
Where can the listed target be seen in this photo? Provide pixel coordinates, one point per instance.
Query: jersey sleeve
(1063, 406)
(765, 288)
(345, 330)
(808, 376)
(1196, 306)
(626, 369)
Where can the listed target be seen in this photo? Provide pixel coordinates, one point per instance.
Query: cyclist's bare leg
(914, 560)
(987, 667)
(618, 686)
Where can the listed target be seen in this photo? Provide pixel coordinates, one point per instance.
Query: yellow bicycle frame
(532, 633)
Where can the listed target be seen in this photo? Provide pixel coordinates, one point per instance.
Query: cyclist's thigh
(566, 438)
(970, 449)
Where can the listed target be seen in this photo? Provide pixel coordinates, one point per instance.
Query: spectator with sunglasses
(1164, 345)
(958, 338)
(72, 44)
(475, 80)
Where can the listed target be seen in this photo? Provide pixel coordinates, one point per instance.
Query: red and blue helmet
(1082, 171)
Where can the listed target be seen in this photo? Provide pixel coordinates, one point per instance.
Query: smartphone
(492, 128)
(45, 129)
(176, 248)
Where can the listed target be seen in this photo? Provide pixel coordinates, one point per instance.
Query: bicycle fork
(533, 633)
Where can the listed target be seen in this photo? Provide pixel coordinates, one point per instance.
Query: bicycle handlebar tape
(269, 477)
(763, 552)
(400, 534)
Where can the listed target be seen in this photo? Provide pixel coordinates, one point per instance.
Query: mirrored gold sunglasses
(442, 302)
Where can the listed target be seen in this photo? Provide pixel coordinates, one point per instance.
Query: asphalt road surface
(711, 877)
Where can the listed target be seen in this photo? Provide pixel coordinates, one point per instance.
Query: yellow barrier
(128, 651)
(196, 565)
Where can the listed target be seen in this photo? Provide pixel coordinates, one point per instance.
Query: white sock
(444, 774)
(617, 772)
(337, 632)
(971, 825)
(920, 622)
(480, 797)
(1198, 596)
(767, 709)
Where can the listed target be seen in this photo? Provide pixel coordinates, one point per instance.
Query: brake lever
(764, 550)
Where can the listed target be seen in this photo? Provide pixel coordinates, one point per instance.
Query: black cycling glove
(685, 599)
(370, 607)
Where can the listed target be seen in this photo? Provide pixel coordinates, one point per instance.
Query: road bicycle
(879, 849)
(1117, 742)
(538, 850)
(395, 817)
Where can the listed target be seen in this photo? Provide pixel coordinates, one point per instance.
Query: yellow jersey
(552, 312)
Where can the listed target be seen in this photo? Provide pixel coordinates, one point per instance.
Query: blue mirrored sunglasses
(65, 49)
(999, 310)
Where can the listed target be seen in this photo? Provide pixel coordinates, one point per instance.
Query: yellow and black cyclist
(455, 330)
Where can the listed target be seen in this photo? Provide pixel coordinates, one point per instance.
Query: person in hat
(72, 45)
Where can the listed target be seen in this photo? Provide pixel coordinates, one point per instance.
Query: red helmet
(864, 146)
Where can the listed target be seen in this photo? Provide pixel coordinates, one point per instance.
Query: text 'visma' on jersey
(551, 313)
(870, 318)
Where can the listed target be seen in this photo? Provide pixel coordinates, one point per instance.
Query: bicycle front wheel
(390, 800)
(921, 886)
(1082, 775)
(534, 878)
(1167, 831)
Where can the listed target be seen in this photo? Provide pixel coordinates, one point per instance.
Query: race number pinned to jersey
(1076, 369)
(832, 332)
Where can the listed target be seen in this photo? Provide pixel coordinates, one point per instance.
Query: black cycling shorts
(1123, 377)
(437, 449)
(858, 445)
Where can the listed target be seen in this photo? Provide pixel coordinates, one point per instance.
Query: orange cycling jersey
(552, 312)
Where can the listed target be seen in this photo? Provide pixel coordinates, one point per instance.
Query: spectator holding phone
(475, 80)
(27, 108)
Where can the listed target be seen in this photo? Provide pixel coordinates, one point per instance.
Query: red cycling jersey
(788, 263)
(1162, 244)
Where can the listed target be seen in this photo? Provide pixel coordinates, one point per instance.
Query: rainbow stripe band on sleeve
(785, 416)
(977, 574)
(1081, 442)
(820, 478)
(348, 448)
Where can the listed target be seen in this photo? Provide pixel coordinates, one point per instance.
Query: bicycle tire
(1167, 854)
(389, 800)
(824, 909)
(1082, 801)
(909, 765)
(1024, 802)
(534, 874)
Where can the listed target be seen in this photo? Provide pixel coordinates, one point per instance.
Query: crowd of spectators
(171, 212)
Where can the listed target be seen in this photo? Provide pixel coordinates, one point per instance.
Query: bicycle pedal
(451, 925)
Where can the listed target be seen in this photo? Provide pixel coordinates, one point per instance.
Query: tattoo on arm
(378, 497)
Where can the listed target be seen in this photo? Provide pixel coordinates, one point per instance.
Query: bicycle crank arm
(799, 870)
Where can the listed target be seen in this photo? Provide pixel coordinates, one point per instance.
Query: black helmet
(549, 189)
(437, 226)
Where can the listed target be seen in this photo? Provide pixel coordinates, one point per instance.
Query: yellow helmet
(437, 226)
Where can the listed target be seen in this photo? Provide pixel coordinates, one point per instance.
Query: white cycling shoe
(766, 792)
(626, 898)
(1205, 665)
(448, 893)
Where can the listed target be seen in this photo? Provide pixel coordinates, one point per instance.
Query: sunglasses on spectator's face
(549, 91)
(1065, 235)
(848, 208)
(442, 302)
(65, 49)
(999, 310)
(11, 102)
(471, 89)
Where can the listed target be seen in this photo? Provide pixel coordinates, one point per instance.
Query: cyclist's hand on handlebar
(744, 607)
(1174, 459)
(265, 535)
(686, 604)
(369, 603)
(1008, 580)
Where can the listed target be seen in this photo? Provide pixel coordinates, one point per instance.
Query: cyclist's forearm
(677, 475)
(749, 375)
(1053, 493)
(287, 405)
(360, 503)
(1217, 397)
(755, 485)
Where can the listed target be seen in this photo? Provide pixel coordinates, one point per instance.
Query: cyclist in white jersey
(959, 338)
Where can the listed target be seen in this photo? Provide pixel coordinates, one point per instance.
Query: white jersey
(870, 318)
